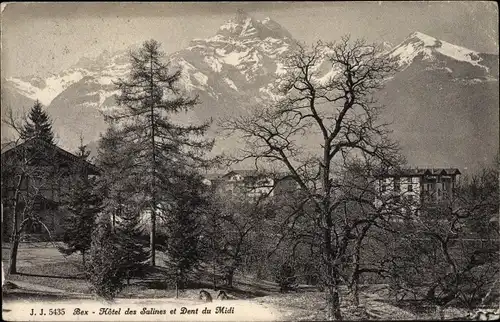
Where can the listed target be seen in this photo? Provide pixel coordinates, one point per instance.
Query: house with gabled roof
(251, 184)
(39, 176)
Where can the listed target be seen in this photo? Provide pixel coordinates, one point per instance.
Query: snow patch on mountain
(326, 78)
(106, 80)
(407, 53)
(230, 26)
(201, 78)
(269, 94)
(213, 62)
(230, 83)
(419, 44)
(233, 58)
(280, 68)
(54, 85)
(460, 53)
(104, 95)
(425, 39)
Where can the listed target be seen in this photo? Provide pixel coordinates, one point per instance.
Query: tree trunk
(83, 259)
(355, 291)
(16, 231)
(260, 273)
(354, 285)
(113, 221)
(333, 296)
(152, 237)
(153, 172)
(214, 276)
(333, 302)
(229, 278)
(16, 238)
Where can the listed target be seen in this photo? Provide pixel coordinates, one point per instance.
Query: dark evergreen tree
(161, 148)
(117, 181)
(131, 243)
(38, 125)
(83, 204)
(82, 151)
(213, 239)
(183, 229)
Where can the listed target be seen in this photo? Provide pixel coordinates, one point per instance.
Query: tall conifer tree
(83, 204)
(131, 244)
(184, 227)
(38, 125)
(161, 148)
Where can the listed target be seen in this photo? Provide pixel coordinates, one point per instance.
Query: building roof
(7, 146)
(10, 146)
(417, 172)
(212, 176)
(243, 173)
(255, 174)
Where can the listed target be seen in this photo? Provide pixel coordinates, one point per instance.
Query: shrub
(285, 277)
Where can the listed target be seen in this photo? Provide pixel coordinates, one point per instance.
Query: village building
(249, 184)
(417, 186)
(40, 175)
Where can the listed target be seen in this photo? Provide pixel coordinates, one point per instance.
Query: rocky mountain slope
(443, 103)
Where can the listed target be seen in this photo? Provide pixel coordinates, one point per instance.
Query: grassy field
(43, 265)
(47, 275)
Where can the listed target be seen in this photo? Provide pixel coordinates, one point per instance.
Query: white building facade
(414, 187)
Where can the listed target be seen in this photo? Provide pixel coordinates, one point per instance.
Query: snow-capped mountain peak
(428, 40)
(421, 45)
(237, 67)
(245, 26)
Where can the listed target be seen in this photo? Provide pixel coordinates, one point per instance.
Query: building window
(410, 187)
(382, 187)
(397, 186)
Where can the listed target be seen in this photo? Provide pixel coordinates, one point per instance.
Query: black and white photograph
(250, 161)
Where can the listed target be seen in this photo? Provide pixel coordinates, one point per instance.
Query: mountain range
(443, 103)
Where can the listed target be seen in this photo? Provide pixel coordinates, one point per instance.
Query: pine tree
(183, 229)
(83, 204)
(38, 125)
(82, 151)
(161, 147)
(118, 180)
(131, 244)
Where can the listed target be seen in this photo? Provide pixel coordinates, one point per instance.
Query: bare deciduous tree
(29, 172)
(449, 252)
(232, 226)
(337, 112)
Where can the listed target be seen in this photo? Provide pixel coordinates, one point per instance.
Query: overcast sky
(48, 37)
